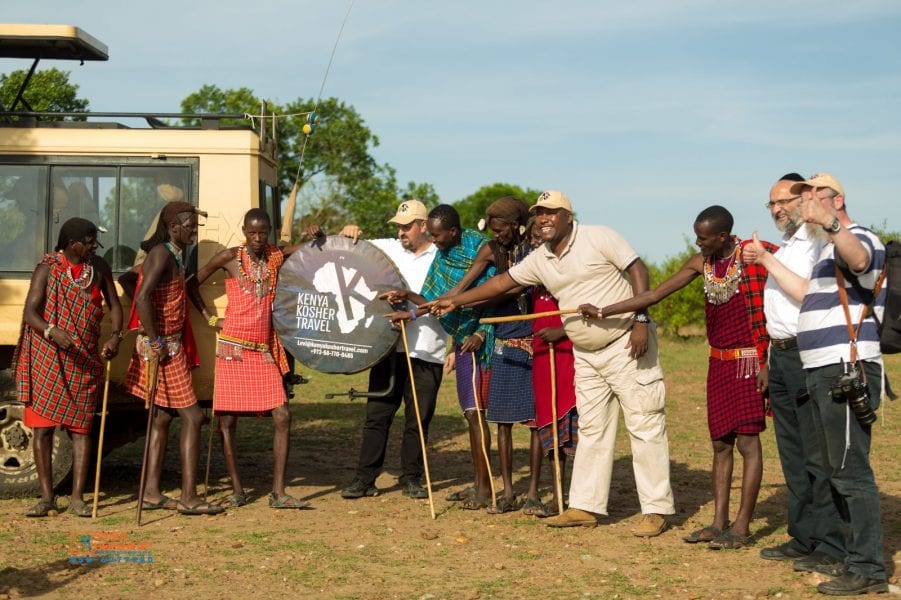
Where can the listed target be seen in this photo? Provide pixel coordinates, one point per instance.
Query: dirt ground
(390, 547)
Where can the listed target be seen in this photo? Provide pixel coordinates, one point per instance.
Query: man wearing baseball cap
(832, 303)
(616, 358)
(412, 252)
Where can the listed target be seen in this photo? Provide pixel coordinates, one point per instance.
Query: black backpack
(890, 327)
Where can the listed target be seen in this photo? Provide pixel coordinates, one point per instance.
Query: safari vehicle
(116, 169)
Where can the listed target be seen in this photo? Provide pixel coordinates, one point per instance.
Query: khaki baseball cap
(409, 211)
(820, 180)
(552, 199)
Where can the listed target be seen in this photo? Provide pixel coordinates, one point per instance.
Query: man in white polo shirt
(412, 252)
(813, 522)
(616, 358)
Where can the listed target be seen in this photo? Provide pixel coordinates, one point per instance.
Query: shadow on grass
(40, 580)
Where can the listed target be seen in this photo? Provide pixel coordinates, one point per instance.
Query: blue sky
(643, 112)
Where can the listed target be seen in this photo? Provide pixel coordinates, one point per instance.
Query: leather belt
(786, 344)
(732, 353)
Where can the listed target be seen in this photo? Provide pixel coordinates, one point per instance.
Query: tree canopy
(48, 91)
(472, 208)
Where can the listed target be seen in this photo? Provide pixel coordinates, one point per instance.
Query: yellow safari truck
(117, 170)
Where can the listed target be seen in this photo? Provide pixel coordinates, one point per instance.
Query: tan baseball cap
(409, 211)
(552, 199)
(820, 180)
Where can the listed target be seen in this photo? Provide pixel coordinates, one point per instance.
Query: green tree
(472, 208)
(682, 313)
(48, 91)
(885, 234)
(340, 180)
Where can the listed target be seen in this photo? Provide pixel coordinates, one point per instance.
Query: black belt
(786, 344)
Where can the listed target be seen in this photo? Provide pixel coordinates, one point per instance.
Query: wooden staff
(475, 397)
(530, 317)
(425, 459)
(558, 479)
(209, 446)
(150, 379)
(100, 440)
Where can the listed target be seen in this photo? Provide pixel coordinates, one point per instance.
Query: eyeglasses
(781, 203)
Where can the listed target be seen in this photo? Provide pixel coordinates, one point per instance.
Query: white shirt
(425, 336)
(799, 253)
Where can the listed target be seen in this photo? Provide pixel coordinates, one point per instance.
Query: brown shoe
(650, 525)
(572, 517)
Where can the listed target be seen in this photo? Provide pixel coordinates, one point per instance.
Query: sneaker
(573, 517)
(650, 525)
(782, 552)
(358, 489)
(820, 562)
(852, 584)
(413, 489)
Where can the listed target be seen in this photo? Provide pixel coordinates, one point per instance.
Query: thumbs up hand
(752, 252)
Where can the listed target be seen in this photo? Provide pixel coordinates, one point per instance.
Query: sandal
(286, 501)
(504, 505)
(79, 508)
(730, 541)
(532, 507)
(201, 508)
(550, 510)
(475, 503)
(43, 508)
(164, 503)
(233, 501)
(707, 534)
(461, 495)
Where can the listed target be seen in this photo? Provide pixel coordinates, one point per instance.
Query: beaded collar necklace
(256, 275)
(720, 290)
(83, 281)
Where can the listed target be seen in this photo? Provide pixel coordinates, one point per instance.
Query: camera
(850, 387)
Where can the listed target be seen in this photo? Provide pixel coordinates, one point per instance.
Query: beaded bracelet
(413, 315)
(213, 320)
(47, 331)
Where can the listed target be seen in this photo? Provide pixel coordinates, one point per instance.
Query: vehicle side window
(23, 216)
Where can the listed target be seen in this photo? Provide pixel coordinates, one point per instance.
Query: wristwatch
(833, 227)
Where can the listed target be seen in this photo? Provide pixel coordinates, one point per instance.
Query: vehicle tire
(18, 474)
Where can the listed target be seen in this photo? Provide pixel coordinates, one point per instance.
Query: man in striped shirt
(831, 338)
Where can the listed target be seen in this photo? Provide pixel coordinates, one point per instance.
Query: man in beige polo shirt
(616, 360)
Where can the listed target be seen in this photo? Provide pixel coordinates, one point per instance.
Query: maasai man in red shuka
(56, 362)
(737, 369)
(160, 305)
(250, 359)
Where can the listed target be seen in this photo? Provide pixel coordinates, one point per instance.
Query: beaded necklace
(720, 290)
(83, 281)
(257, 275)
(177, 254)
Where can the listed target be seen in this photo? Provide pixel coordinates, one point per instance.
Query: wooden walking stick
(530, 317)
(100, 440)
(558, 479)
(152, 374)
(425, 459)
(209, 446)
(475, 397)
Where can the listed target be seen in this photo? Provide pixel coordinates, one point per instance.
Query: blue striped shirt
(822, 327)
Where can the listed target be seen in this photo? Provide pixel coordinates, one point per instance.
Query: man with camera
(839, 344)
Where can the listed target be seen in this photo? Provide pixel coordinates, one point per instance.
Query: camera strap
(843, 296)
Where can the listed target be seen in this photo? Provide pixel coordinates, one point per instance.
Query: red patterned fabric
(753, 280)
(247, 380)
(36, 421)
(733, 403)
(174, 388)
(62, 385)
(543, 301)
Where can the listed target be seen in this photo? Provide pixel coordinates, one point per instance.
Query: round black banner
(327, 312)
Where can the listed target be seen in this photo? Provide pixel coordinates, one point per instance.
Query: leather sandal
(79, 508)
(43, 508)
(286, 501)
(233, 501)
